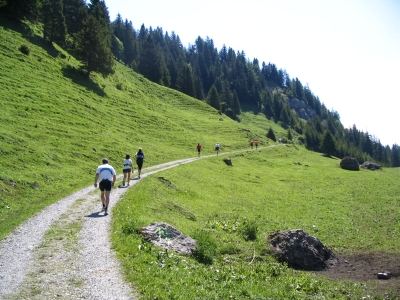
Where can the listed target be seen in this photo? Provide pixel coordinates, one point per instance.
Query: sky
(346, 51)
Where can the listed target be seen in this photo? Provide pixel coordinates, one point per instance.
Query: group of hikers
(198, 147)
(106, 176)
(218, 146)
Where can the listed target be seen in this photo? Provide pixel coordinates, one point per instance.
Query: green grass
(56, 125)
(265, 191)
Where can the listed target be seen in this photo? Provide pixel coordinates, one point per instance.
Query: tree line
(226, 79)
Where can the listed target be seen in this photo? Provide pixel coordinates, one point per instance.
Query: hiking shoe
(105, 211)
(103, 207)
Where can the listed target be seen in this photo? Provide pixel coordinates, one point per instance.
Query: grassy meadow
(277, 188)
(56, 125)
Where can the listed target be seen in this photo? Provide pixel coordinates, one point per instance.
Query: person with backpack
(251, 144)
(127, 169)
(139, 156)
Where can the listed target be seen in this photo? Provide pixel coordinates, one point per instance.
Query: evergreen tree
(75, 12)
(328, 145)
(395, 156)
(94, 49)
(185, 81)
(129, 41)
(213, 98)
(289, 135)
(151, 63)
(271, 134)
(22, 9)
(54, 26)
(235, 104)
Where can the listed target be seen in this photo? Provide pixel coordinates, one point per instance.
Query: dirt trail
(64, 251)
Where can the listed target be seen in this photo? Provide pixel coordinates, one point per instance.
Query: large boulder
(301, 250)
(371, 166)
(350, 163)
(168, 237)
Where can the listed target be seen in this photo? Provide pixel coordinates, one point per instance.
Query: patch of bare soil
(365, 268)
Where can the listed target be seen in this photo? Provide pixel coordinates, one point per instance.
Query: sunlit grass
(273, 189)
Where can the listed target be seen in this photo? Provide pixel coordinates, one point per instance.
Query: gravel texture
(64, 252)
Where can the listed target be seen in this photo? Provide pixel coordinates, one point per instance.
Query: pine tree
(289, 135)
(213, 98)
(328, 145)
(185, 81)
(271, 134)
(54, 26)
(22, 9)
(151, 62)
(235, 104)
(75, 12)
(94, 48)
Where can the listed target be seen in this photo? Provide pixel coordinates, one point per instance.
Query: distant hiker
(256, 143)
(251, 144)
(217, 146)
(127, 169)
(198, 149)
(107, 176)
(139, 160)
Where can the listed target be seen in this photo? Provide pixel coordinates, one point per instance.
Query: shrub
(206, 248)
(250, 230)
(24, 49)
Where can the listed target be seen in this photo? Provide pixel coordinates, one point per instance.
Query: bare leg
(107, 198)
(103, 198)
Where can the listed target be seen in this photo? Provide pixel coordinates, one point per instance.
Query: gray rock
(301, 250)
(371, 166)
(302, 109)
(349, 163)
(166, 236)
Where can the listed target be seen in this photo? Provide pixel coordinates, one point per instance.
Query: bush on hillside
(206, 248)
(24, 49)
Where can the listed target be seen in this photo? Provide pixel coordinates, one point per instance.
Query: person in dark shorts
(251, 144)
(106, 174)
(256, 143)
(139, 160)
(127, 169)
(198, 149)
(217, 146)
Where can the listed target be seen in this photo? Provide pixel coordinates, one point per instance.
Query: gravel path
(64, 252)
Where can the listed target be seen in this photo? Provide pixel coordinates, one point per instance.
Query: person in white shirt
(106, 174)
(127, 169)
(217, 146)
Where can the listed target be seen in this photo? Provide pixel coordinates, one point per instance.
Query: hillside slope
(56, 125)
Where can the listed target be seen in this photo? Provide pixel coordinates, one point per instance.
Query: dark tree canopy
(54, 25)
(328, 145)
(94, 49)
(271, 134)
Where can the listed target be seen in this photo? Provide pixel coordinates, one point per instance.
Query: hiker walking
(139, 160)
(256, 143)
(251, 144)
(198, 149)
(127, 169)
(106, 174)
(217, 146)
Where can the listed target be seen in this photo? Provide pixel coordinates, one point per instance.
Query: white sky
(347, 51)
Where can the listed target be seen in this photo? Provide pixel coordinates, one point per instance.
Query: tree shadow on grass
(79, 77)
